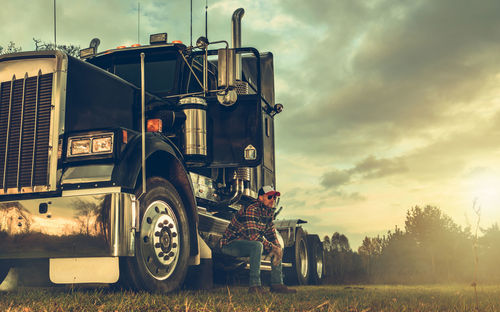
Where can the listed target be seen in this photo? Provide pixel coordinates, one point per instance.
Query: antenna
(55, 41)
(206, 19)
(138, 22)
(191, 23)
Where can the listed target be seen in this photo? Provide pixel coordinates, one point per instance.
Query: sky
(387, 104)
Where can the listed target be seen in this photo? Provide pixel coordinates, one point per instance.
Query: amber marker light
(124, 136)
(121, 47)
(177, 41)
(154, 125)
(135, 45)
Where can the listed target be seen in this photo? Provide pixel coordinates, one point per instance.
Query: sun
(484, 189)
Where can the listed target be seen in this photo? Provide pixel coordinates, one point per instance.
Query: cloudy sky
(388, 104)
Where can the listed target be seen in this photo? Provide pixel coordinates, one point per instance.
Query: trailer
(125, 166)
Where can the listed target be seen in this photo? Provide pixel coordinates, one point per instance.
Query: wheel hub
(160, 244)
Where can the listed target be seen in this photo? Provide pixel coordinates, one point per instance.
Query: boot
(257, 290)
(282, 289)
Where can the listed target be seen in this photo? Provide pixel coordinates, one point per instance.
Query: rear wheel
(316, 260)
(298, 256)
(162, 245)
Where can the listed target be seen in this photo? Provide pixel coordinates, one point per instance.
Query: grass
(236, 298)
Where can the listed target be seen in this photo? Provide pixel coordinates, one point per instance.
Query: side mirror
(226, 68)
(227, 77)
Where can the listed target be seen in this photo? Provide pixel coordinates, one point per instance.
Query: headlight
(102, 145)
(90, 145)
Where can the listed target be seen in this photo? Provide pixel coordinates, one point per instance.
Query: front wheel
(162, 246)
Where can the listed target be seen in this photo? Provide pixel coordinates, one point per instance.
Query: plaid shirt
(253, 222)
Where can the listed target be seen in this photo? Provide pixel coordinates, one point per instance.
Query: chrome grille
(25, 110)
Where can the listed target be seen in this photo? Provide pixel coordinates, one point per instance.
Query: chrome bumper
(80, 223)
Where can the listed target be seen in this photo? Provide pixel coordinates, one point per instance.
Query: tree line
(70, 49)
(431, 248)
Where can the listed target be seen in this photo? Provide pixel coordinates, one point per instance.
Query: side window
(192, 84)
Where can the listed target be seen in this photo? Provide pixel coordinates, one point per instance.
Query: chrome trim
(57, 114)
(81, 225)
(30, 64)
(143, 124)
(7, 137)
(21, 131)
(96, 191)
(34, 133)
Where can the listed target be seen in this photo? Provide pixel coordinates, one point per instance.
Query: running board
(265, 265)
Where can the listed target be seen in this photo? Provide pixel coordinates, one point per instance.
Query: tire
(316, 259)
(161, 256)
(298, 256)
(5, 266)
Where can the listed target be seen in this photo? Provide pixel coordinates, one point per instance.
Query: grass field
(236, 298)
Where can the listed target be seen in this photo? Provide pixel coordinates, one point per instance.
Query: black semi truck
(126, 166)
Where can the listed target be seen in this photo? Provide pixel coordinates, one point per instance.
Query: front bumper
(80, 223)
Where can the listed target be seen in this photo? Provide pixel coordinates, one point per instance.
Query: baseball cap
(268, 190)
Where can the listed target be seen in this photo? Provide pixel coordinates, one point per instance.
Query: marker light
(88, 52)
(135, 45)
(121, 47)
(177, 41)
(158, 38)
(154, 125)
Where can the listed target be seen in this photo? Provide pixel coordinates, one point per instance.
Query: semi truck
(124, 167)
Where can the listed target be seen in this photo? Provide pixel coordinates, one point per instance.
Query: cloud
(335, 178)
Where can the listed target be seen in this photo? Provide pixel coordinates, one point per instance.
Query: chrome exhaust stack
(236, 38)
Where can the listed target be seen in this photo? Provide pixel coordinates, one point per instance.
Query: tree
(69, 49)
(11, 48)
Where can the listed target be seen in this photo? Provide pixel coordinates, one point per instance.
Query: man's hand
(276, 255)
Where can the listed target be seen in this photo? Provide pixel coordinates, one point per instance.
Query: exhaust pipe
(236, 38)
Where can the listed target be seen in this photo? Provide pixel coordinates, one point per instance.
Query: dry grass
(308, 298)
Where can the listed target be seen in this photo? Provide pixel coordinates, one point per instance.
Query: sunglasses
(271, 197)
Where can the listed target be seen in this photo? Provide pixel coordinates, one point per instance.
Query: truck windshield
(159, 74)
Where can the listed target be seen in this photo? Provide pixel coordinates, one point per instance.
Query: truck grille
(25, 109)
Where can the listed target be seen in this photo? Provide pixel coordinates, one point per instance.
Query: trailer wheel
(162, 245)
(316, 260)
(298, 256)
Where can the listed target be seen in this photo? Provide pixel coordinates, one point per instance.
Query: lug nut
(170, 225)
(166, 258)
(157, 234)
(174, 234)
(160, 254)
(171, 254)
(174, 245)
(160, 225)
(157, 245)
(165, 221)
(146, 239)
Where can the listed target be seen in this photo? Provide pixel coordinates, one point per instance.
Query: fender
(162, 159)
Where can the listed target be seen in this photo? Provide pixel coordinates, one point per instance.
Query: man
(251, 233)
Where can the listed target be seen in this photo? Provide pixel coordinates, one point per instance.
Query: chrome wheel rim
(319, 263)
(304, 265)
(160, 246)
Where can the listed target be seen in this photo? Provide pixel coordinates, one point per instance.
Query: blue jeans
(253, 249)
